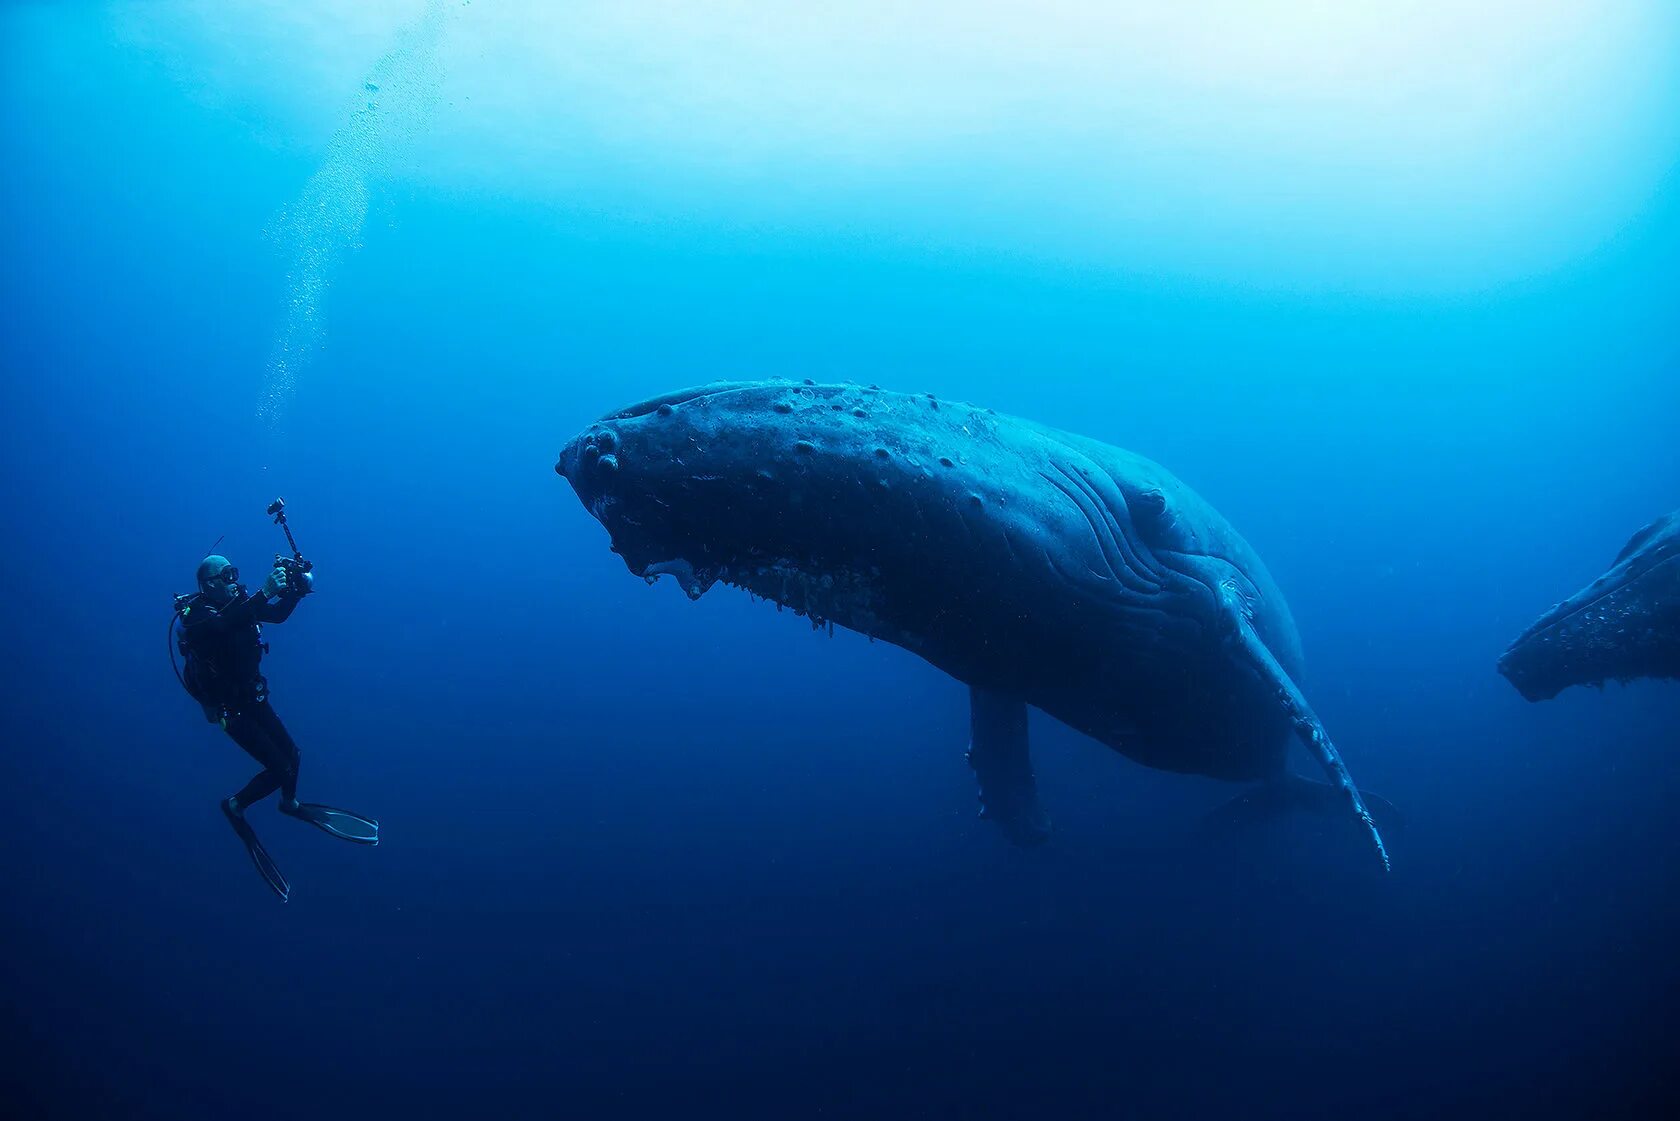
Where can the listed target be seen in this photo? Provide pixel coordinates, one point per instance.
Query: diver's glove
(275, 584)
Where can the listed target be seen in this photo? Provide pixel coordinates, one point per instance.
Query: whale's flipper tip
(1306, 722)
(1290, 794)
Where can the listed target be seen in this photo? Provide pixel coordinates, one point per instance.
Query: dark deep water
(647, 858)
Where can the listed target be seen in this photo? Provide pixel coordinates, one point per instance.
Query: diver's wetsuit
(225, 649)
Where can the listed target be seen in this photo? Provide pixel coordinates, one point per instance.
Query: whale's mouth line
(1570, 610)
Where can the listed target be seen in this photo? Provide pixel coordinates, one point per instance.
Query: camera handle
(296, 563)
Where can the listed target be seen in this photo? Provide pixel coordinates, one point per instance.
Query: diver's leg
(261, 786)
(246, 728)
(343, 824)
(249, 736)
(284, 751)
(998, 753)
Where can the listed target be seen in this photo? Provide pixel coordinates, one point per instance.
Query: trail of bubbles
(325, 221)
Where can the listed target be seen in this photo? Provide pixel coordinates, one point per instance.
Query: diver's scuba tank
(178, 645)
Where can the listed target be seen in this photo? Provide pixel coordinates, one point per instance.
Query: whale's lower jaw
(843, 598)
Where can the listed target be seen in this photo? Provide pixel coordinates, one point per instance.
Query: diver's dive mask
(218, 580)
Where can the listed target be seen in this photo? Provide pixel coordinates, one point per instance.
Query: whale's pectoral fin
(999, 755)
(1307, 724)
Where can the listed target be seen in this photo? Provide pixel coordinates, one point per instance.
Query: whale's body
(1037, 566)
(1624, 625)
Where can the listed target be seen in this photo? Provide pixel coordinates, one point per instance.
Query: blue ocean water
(1394, 289)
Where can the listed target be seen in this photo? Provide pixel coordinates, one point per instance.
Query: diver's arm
(237, 614)
(277, 610)
(280, 593)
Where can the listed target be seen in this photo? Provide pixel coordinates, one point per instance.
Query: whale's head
(1625, 624)
(712, 482)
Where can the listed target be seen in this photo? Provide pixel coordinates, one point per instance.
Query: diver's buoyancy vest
(215, 685)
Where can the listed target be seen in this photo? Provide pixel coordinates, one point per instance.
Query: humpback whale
(1036, 566)
(1625, 624)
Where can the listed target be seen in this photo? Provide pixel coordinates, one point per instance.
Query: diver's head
(218, 580)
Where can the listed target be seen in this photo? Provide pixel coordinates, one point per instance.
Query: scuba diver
(221, 640)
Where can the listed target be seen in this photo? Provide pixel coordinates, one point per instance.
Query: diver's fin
(266, 867)
(343, 824)
(1290, 793)
(998, 753)
(1307, 724)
